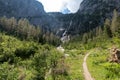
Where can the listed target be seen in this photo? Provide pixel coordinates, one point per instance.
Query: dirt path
(87, 74)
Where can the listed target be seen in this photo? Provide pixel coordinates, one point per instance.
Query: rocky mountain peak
(91, 6)
(91, 14)
(21, 8)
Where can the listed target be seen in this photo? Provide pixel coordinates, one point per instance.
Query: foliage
(107, 29)
(113, 71)
(8, 72)
(25, 31)
(58, 66)
(114, 22)
(26, 59)
(34, 58)
(40, 64)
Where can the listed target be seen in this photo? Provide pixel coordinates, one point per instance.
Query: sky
(64, 6)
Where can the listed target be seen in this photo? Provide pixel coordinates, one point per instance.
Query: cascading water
(65, 37)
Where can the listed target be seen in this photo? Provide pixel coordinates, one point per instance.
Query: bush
(113, 70)
(40, 64)
(8, 72)
(25, 52)
(58, 66)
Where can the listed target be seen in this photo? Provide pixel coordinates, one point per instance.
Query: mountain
(65, 11)
(30, 9)
(91, 14)
(21, 8)
(102, 6)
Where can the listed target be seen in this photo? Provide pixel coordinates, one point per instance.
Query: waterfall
(65, 37)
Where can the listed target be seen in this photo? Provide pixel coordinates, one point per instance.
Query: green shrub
(113, 70)
(25, 52)
(8, 72)
(40, 64)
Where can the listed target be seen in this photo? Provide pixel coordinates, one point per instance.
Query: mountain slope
(30, 9)
(91, 14)
(21, 8)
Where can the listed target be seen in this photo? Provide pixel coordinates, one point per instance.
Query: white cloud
(60, 5)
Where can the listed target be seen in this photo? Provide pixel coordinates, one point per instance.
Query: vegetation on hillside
(98, 42)
(26, 31)
(27, 52)
(28, 60)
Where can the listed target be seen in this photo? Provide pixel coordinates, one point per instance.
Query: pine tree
(12, 24)
(38, 33)
(114, 22)
(3, 21)
(107, 30)
(99, 31)
(85, 38)
(117, 33)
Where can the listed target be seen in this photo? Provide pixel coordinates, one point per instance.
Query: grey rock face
(30, 9)
(21, 8)
(102, 6)
(91, 14)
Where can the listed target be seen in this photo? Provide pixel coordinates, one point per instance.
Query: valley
(40, 45)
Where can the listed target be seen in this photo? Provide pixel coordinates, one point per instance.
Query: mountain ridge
(30, 9)
(90, 15)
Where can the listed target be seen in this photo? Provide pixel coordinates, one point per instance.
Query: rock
(66, 55)
(115, 55)
(21, 8)
(65, 39)
(92, 13)
(61, 49)
(33, 10)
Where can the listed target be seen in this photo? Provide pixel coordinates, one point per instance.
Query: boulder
(115, 55)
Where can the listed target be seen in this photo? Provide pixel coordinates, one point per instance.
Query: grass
(100, 68)
(98, 65)
(75, 61)
(94, 62)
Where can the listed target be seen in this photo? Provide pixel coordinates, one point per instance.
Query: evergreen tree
(117, 33)
(13, 24)
(3, 22)
(107, 30)
(85, 38)
(114, 23)
(38, 33)
(99, 31)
